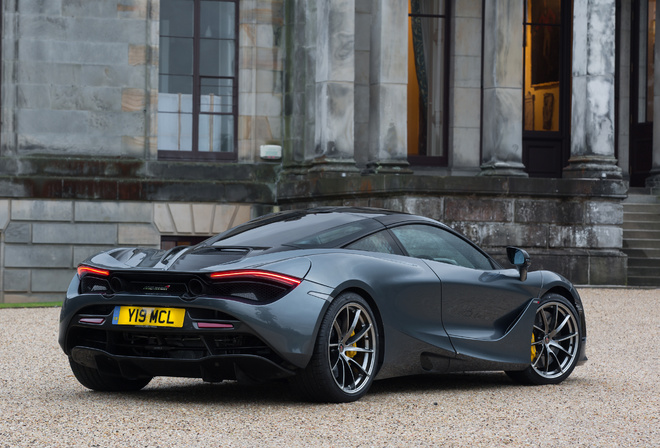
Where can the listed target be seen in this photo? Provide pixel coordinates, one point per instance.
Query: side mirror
(520, 259)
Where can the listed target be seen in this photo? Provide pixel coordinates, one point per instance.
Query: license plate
(150, 317)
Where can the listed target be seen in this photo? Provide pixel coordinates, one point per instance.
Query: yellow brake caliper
(533, 348)
(351, 354)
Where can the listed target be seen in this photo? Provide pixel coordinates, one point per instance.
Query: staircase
(641, 237)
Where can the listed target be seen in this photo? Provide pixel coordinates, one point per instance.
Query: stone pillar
(334, 139)
(503, 89)
(654, 180)
(592, 128)
(388, 125)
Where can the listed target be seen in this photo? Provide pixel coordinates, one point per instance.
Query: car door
(486, 311)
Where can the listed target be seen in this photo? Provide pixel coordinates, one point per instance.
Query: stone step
(641, 234)
(643, 253)
(643, 281)
(641, 208)
(640, 225)
(644, 263)
(641, 217)
(640, 243)
(641, 199)
(644, 272)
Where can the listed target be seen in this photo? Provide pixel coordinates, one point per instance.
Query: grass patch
(30, 305)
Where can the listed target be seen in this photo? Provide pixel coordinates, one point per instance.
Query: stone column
(334, 139)
(388, 125)
(654, 180)
(592, 128)
(503, 89)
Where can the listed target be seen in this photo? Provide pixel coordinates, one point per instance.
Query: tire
(555, 346)
(95, 380)
(346, 352)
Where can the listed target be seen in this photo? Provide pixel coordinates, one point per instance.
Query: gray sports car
(330, 298)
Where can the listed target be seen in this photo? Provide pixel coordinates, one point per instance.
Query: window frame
(443, 160)
(195, 154)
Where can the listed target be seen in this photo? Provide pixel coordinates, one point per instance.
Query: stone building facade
(155, 122)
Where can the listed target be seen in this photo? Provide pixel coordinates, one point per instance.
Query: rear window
(296, 229)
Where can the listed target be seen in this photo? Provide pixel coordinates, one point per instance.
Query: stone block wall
(573, 227)
(43, 241)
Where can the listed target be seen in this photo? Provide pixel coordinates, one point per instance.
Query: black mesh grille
(91, 284)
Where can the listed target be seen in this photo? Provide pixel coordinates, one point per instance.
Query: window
(428, 83)
(378, 242)
(542, 53)
(197, 80)
(432, 243)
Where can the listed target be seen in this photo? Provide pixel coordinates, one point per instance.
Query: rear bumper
(210, 368)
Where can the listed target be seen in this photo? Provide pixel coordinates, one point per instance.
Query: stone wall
(43, 241)
(573, 227)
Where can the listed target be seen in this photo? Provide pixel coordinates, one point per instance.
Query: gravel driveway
(613, 400)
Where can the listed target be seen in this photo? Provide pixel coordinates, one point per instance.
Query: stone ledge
(295, 188)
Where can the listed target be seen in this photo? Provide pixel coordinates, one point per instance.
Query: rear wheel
(555, 343)
(95, 380)
(345, 356)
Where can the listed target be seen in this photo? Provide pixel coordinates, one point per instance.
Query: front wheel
(345, 356)
(95, 380)
(555, 343)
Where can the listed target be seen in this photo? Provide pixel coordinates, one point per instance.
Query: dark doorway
(641, 91)
(547, 86)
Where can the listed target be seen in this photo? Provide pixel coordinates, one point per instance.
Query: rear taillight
(82, 270)
(256, 274)
(251, 284)
(93, 280)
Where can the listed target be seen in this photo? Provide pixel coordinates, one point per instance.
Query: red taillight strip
(291, 281)
(90, 270)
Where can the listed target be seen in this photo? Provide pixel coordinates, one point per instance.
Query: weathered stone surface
(16, 280)
(38, 210)
(18, 232)
(102, 211)
(35, 256)
(60, 233)
(549, 211)
(138, 235)
(482, 210)
(51, 280)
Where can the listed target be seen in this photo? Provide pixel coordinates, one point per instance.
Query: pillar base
(504, 169)
(388, 167)
(332, 165)
(592, 167)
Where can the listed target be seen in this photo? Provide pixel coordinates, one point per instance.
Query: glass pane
(217, 20)
(174, 131)
(646, 60)
(216, 57)
(176, 18)
(174, 102)
(176, 55)
(542, 55)
(216, 133)
(175, 84)
(426, 78)
(216, 96)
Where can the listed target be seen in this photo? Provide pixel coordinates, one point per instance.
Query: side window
(378, 242)
(432, 243)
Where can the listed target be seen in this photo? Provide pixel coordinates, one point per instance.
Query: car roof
(297, 227)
